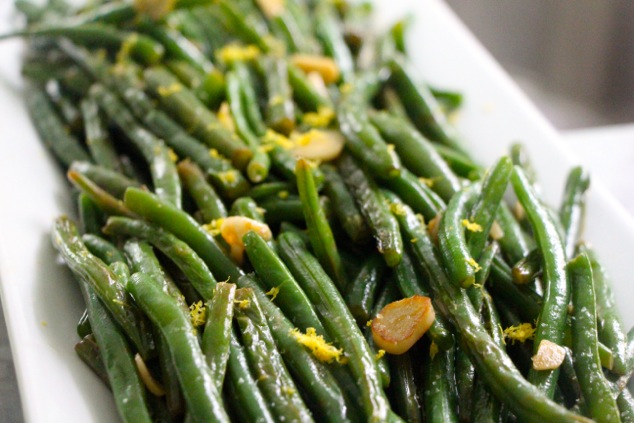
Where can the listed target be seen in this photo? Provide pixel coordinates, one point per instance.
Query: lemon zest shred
(520, 332)
(283, 194)
(413, 240)
(471, 262)
(379, 354)
(433, 350)
(242, 304)
(213, 227)
(427, 181)
(273, 292)
(471, 226)
(275, 138)
(398, 209)
(126, 48)
(318, 346)
(234, 53)
(170, 89)
(172, 155)
(319, 119)
(368, 323)
(198, 314)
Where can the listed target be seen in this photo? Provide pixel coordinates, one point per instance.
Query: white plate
(42, 304)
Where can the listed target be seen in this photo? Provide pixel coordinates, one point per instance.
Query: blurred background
(574, 58)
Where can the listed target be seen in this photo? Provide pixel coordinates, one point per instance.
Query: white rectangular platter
(40, 299)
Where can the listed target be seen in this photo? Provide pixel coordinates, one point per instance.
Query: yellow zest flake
(276, 100)
(471, 262)
(213, 227)
(271, 8)
(148, 380)
(433, 350)
(225, 118)
(420, 218)
(170, 89)
(198, 314)
(323, 65)
(214, 153)
(471, 226)
(520, 332)
(156, 9)
(427, 181)
(126, 48)
(237, 53)
(368, 323)
(233, 228)
(379, 354)
(228, 176)
(273, 292)
(319, 119)
(397, 209)
(266, 148)
(172, 155)
(345, 88)
(275, 138)
(242, 304)
(413, 240)
(318, 345)
(289, 390)
(390, 148)
(283, 194)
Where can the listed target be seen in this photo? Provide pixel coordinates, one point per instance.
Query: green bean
(374, 209)
(464, 374)
(184, 107)
(83, 325)
(450, 100)
(280, 110)
(417, 154)
(485, 209)
(362, 139)
(208, 87)
(106, 202)
(201, 395)
(311, 374)
(210, 206)
(154, 151)
(329, 33)
(250, 98)
(178, 251)
(461, 164)
(117, 357)
(102, 249)
(572, 210)
(88, 350)
(279, 209)
(216, 340)
(321, 237)
(552, 317)
(258, 167)
(236, 22)
(247, 207)
(461, 266)
(513, 242)
(244, 396)
(403, 387)
(416, 193)
(99, 144)
(183, 226)
(48, 124)
(626, 406)
(140, 47)
(101, 278)
(343, 206)
(596, 392)
(305, 94)
(265, 360)
(420, 104)
(611, 331)
(338, 321)
(526, 303)
(528, 268)
(491, 361)
(112, 181)
(282, 286)
(270, 189)
(520, 158)
(362, 290)
(440, 395)
(91, 216)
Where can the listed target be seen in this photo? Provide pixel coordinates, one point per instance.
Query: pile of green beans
(172, 119)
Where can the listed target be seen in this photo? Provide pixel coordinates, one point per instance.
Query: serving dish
(40, 299)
